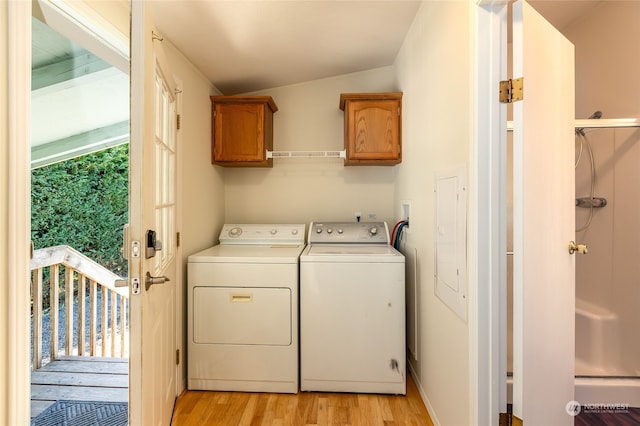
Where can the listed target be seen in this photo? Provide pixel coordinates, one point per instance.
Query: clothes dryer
(243, 310)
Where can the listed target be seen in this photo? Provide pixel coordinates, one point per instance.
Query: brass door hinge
(177, 356)
(178, 121)
(511, 90)
(508, 419)
(177, 239)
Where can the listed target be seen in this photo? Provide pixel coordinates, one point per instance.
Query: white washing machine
(243, 310)
(352, 310)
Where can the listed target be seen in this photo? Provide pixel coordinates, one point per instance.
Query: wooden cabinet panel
(242, 128)
(372, 128)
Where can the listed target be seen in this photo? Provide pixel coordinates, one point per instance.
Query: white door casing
(487, 308)
(15, 218)
(543, 222)
(153, 160)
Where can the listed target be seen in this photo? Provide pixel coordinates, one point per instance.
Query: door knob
(149, 280)
(580, 248)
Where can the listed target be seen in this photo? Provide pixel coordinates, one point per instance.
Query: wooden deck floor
(79, 378)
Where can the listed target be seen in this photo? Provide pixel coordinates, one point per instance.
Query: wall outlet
(405, 211)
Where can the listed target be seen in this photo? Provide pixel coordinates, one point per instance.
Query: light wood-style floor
(200, 408)
(79, 378)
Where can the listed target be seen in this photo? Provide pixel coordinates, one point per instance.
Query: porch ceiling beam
(67, 69)
(80, 144)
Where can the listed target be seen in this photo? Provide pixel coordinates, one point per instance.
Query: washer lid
(343, 249)
(351, 253)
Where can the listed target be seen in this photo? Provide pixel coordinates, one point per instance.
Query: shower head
(595, 116)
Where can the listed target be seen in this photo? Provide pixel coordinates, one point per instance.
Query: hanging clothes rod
(307, 154)
(601, 123)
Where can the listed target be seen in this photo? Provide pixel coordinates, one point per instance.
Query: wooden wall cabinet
(242, 130)
(372, 128)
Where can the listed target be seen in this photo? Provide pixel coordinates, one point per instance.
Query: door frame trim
(488, 336)
(16, 387)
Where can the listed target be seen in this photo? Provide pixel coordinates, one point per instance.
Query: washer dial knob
(373, 230)
(235, 232)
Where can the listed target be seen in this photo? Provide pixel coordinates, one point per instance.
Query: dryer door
(242, 316)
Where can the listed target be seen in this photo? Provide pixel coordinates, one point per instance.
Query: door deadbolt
(580, 248)
(153, 244)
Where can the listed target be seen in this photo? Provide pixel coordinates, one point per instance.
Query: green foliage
(83, 203)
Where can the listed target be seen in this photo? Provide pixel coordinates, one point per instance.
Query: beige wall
(202, 185)
(434, 69)
(607, 59)
(302, 190)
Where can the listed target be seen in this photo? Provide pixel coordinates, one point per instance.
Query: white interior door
(543, 223)
(152, 208)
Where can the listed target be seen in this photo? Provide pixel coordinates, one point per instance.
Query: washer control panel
(348, 233)
(271, 234)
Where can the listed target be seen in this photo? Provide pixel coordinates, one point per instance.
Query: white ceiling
(243, 46)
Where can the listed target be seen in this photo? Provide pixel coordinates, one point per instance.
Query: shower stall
(608, 277)
(607, 312)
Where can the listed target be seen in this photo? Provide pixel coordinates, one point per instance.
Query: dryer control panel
(348, 233)
(266, 234)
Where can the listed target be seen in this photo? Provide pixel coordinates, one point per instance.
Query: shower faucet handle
(580, 248)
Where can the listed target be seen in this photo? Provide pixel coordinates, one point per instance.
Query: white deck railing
(76, 274)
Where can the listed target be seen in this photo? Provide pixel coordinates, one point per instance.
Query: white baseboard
(423, 395)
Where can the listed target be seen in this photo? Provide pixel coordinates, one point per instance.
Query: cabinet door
(239, 133)
(372, 132)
